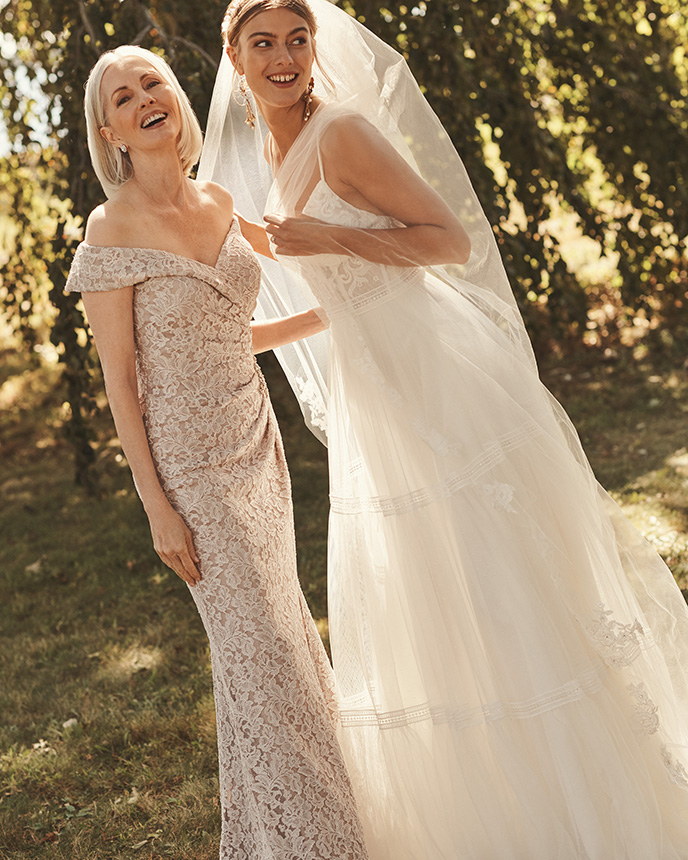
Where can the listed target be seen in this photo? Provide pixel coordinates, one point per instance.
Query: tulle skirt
(510, 653)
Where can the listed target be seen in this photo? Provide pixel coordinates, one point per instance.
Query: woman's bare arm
(273, 333)
(364, 169)
(110, 315)
(256, 236)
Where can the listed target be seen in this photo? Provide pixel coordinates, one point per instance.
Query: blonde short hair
(112, 166)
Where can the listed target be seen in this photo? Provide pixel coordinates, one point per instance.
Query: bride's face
(275, 52)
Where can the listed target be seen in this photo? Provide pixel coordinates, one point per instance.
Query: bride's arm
(273, 333)
(365, 170)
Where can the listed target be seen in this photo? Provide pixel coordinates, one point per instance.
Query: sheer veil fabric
(510, 654)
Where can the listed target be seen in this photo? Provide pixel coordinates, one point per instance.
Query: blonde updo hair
(112, 166)
(239, 12)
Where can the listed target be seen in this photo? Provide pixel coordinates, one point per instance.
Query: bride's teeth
(282, 79)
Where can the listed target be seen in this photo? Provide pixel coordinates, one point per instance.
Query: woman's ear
(107, 133)
(233, 55)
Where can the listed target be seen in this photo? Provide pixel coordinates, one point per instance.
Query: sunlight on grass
(136, 658)
(656, 504)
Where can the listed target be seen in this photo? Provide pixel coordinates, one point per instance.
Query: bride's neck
(285, 124)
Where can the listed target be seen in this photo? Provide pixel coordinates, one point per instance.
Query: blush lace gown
(511, 656)
(212, 432)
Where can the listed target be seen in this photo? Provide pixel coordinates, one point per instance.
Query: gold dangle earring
(250, 116)
(308, 98)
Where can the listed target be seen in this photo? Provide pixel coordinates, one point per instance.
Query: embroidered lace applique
(618, 644)
(500, 496)
(311, 397)
(645, 709)
(677, 772)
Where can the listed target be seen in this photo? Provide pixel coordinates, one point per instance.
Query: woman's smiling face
(275, 52)
(140, 106)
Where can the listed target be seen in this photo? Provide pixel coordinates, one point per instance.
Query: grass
(107, 743)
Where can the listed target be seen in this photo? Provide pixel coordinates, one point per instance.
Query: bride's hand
(173, 542)
(301, 236)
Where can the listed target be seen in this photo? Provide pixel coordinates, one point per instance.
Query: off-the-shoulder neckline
(168, 253)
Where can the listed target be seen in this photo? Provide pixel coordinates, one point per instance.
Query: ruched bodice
(195, 362)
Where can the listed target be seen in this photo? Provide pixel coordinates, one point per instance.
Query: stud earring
(250, 116)
(308, 98)
(123, 147)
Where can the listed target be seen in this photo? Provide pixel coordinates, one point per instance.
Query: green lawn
(107, 745)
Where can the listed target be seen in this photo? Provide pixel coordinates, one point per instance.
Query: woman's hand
(301, 236)
(173, 543)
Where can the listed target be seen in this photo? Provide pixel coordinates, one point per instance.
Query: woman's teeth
(149, 120)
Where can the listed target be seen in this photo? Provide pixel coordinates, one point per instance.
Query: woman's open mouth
(154, 119)
(283, 79)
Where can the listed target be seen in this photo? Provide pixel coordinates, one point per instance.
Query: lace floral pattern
(677, 772)
(645, 709)
(618, 644)
(351, 285)
(284, 789)
(500, 495)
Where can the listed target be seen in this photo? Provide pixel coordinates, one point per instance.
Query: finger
(173, 561)
(273, 219)
(190, 569)
(180, 569)
(191, 549)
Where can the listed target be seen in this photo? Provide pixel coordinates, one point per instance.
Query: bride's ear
(234, 58)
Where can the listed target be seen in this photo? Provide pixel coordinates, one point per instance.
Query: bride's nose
(283, 54)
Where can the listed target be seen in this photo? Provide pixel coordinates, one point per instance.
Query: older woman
(169, 284)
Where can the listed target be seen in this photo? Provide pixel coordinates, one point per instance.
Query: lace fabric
(284, 790)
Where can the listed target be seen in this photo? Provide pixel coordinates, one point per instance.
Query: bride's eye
(264, 43)
(121, 100)
(152, 84)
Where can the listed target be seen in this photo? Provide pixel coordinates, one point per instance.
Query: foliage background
(571, 115)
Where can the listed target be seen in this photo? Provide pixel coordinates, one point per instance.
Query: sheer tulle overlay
(510, 654)
(284, 789)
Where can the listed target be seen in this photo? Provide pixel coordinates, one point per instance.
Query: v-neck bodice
(194, 355)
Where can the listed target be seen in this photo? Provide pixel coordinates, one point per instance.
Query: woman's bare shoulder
(109, 224)
(216, 193)
(350, 136)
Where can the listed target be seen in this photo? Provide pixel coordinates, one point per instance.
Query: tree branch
(89, 28)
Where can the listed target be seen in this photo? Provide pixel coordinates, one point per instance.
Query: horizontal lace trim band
(388, 505)
(587, 684)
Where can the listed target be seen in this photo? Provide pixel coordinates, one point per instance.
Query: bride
(511, 656)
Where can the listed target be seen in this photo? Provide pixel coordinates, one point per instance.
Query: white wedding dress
(510, 654)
